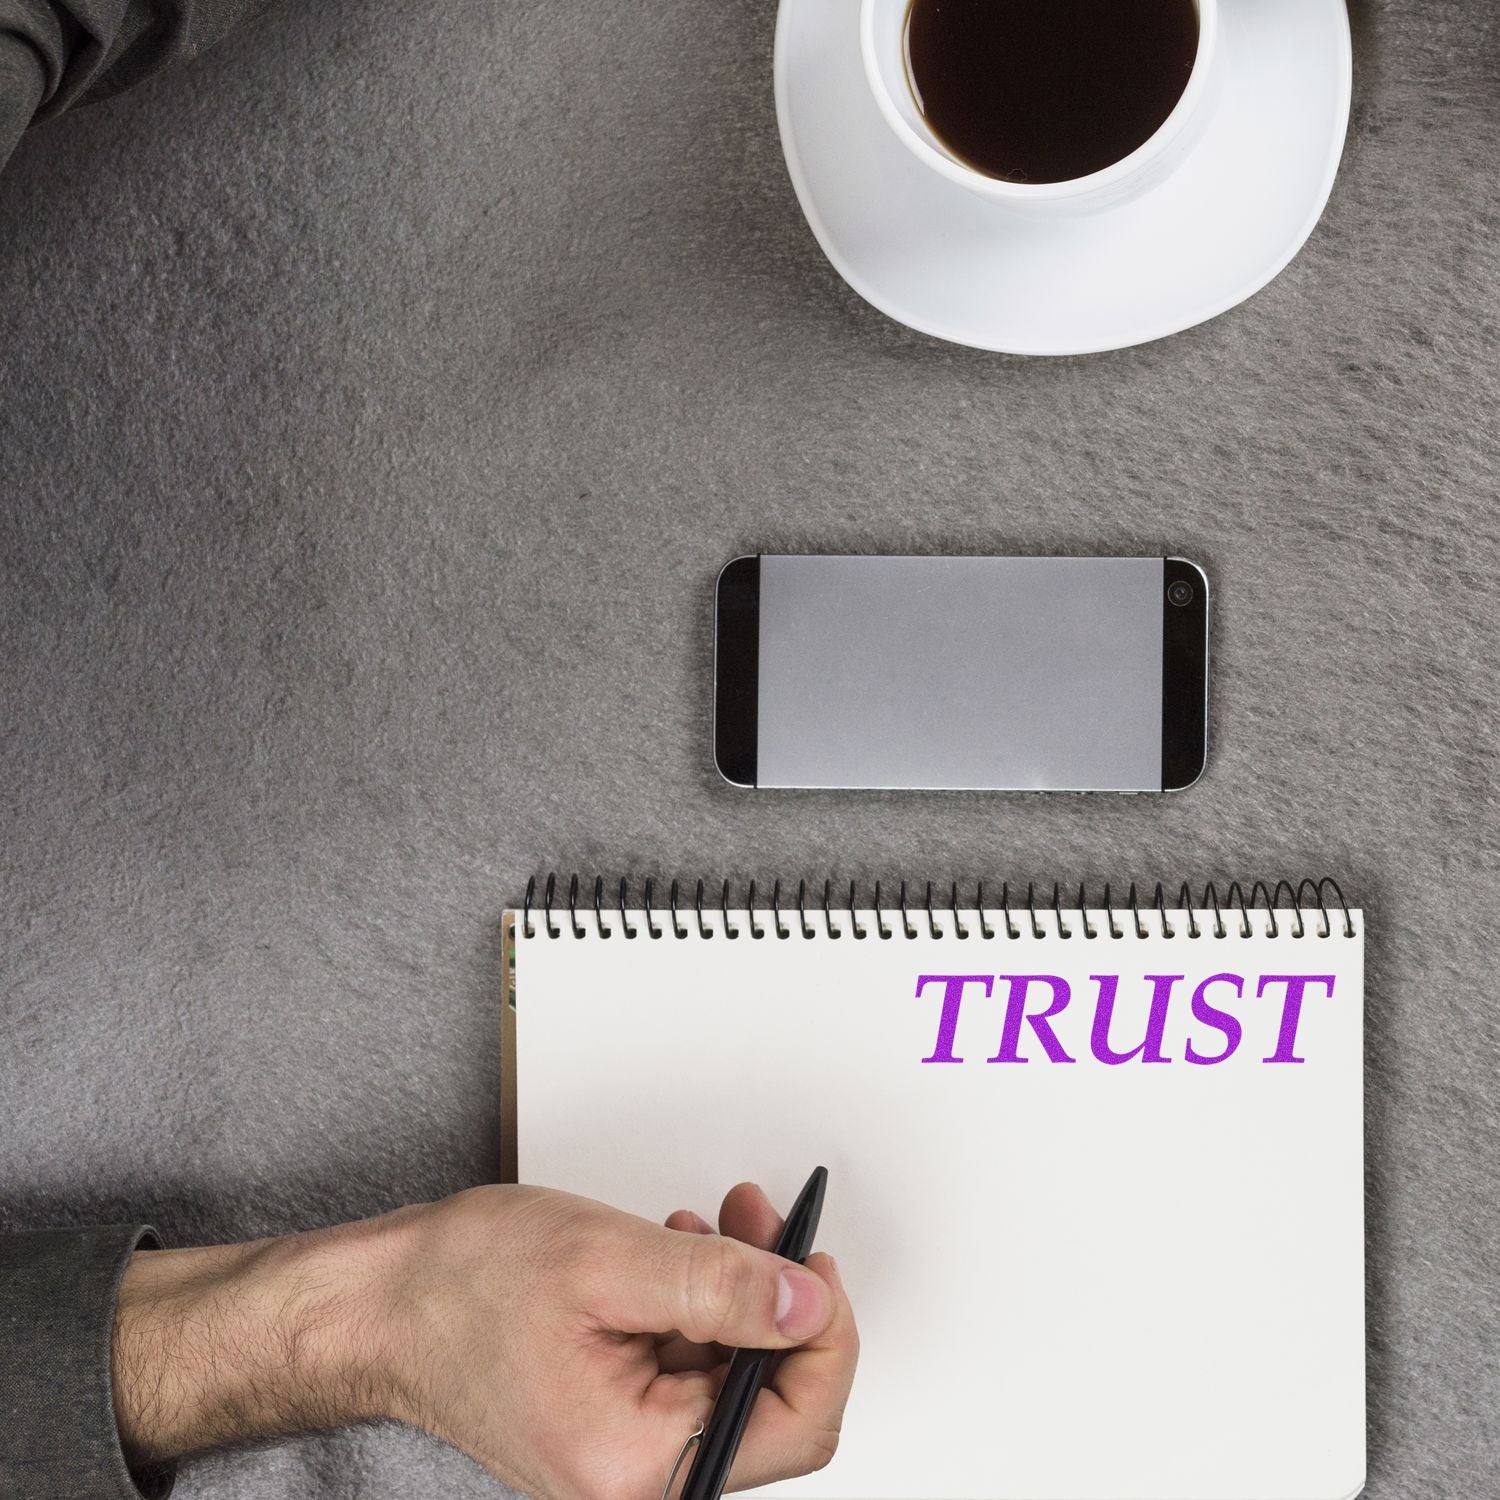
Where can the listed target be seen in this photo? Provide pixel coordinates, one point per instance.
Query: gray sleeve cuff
(57, 1413)
(22, 83)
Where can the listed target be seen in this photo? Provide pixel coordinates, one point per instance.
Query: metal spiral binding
(1046, 913)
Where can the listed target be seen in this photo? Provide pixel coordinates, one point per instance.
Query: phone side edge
(737, 670)
(1184, 676)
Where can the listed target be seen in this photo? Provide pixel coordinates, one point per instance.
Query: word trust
(1033, 1004)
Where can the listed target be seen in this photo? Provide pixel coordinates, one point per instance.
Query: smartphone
(1084, 674)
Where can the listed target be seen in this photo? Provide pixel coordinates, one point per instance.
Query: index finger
(747, 1214)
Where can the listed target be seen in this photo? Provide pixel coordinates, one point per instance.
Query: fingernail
(801, 1303)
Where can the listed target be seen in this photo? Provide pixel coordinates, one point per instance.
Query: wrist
(236, 1343)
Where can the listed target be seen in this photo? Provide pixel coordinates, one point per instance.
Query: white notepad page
(1084, 1280)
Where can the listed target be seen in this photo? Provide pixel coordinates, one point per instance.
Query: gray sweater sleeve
(58, 1439)
(57, 53)
(22, 84)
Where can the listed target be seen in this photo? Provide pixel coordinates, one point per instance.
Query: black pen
(748, 1367)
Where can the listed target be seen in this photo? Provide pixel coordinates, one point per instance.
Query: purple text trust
(1033, 1003)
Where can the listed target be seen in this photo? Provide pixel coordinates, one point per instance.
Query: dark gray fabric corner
(57, 1416)
(379, 397)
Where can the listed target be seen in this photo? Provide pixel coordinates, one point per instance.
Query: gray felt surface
(380, 396)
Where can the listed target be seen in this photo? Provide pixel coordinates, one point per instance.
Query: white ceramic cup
(882, 32)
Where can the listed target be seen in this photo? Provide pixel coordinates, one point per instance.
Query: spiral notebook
(1095, 1171)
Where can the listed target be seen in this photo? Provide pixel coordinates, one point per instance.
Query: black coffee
(1045, 90)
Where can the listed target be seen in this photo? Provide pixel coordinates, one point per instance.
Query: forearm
(236, 1343)
(564, 1345)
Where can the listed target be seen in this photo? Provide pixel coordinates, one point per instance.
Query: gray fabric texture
(57, 1417)
(379, 396)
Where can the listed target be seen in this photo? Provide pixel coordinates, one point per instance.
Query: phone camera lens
(1180, 593)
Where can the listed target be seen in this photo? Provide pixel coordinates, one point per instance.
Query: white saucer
(947, 262)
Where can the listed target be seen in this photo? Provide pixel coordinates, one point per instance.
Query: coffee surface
(1046, 90)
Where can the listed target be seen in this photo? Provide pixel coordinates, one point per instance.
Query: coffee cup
(884, 44)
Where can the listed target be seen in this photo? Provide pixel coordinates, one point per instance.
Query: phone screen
(1082, 674)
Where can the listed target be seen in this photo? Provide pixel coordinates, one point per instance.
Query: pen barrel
(722, 1432)
(748, 1368)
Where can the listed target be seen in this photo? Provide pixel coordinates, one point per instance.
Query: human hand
(568, 1347)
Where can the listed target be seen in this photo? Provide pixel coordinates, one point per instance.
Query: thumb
(711, 1289)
